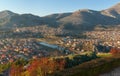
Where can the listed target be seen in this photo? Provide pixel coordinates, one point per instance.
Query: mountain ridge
(85, 19)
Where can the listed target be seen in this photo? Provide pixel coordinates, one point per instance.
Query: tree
(115, 51)
(16, 70)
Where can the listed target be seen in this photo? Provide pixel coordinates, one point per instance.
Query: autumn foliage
(115, 51)
(47, 66)
(38, 67)
(16, 70)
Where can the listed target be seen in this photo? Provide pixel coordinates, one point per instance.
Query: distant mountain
(10, 19)
(113, 11)
(6, 13)
(80, 20)
(84, 19)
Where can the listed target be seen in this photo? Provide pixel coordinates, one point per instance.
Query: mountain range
(79, 20)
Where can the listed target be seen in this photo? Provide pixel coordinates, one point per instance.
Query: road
(115, 72)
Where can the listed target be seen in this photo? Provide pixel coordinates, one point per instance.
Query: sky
(46, 7)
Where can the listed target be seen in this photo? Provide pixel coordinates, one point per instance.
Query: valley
(80, 43)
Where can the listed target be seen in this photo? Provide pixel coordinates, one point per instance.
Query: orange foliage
(44, 66)
(36, 64)
(16, 70)
(115, 51)
(38, 67)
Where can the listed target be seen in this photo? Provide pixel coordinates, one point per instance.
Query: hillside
(10, 19)
(114, 11)
(80, 20)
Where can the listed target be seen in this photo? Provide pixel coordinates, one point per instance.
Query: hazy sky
(46, 7)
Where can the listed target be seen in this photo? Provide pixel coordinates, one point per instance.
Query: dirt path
(115, 72)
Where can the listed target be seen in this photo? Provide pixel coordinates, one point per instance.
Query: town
(12, 49)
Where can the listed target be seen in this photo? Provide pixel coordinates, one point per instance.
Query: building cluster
(96, 40)
(108, 38)
(12, 49)
(15, 45)
(43, 29)
(78, 45)
(22, 34)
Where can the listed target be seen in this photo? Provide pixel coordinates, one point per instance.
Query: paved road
(115, 72)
